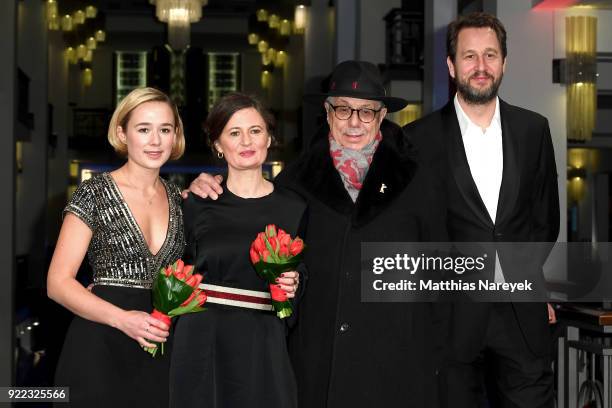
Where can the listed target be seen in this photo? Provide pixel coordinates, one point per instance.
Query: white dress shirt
(485, 156)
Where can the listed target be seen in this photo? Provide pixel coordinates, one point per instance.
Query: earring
(220, 155)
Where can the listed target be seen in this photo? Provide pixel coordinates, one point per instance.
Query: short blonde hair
(123, 111)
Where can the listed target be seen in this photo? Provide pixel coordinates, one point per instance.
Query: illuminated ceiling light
(299, 19)
(100, 36)
(78, 17)
(262, 15)
(253, 39)
(81, 51)
(70, 54)
(262, 46)
(265, 59)
(67, 23)
(91, 12)
(274, 21)
(281, 59)
(88, 56)
(179, 14)
(91, 43)
(87, 77)
(285, 27)
(51, 9)
(265, 79)
(271, 53)
(54, 23)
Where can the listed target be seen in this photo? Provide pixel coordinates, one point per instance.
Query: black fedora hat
(358, 79)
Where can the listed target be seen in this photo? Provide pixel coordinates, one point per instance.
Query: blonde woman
(129, 223)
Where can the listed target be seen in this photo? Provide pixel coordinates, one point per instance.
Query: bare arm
(63, 288)
(205, 186)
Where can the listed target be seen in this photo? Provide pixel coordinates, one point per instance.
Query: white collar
(465, 122)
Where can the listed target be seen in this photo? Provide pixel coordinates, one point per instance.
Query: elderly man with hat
(363, 183)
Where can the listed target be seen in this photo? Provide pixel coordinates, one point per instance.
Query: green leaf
(169, 292)
(270, 271)
(190, 307)
(270, 250)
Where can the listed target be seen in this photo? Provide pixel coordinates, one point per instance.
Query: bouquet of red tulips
(272, 253)
(175, 292)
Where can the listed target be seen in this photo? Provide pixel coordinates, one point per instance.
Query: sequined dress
(102, 366)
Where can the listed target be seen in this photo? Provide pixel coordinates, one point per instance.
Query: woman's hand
(289, 282)
(205, 186)
(143, 328)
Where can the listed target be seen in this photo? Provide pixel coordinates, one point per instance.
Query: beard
(476, 96)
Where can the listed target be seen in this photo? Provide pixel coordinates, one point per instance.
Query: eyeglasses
(366, 115)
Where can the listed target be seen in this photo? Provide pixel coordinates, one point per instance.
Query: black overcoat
(348, 353)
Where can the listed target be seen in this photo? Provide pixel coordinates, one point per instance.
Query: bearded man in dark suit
(498, 163)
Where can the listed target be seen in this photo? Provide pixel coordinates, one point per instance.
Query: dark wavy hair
(224, 109)
(474, 20)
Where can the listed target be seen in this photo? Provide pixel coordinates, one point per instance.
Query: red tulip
(271, 230)
(254, 255)
(194, 280)
(284, 251)
(265, 255)
(274, 243)
(260, 242)
(201, 298)
(179, 265)
(284, 238)
(180, 276)
(296, 246)
(188, 270)
(168, 271)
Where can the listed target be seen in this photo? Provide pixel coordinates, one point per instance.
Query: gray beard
(475, 97)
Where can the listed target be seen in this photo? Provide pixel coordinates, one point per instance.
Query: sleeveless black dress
(102, 366)
(229, 356)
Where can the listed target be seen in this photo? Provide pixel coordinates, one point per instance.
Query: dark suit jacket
(528, 207)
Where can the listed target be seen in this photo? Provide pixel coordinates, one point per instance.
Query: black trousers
(504, 373)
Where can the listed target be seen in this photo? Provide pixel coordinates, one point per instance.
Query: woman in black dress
(234, 354)
(129, 223)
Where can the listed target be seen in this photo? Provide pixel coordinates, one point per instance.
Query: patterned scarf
(353, 165)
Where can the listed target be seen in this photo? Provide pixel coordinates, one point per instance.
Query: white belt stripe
(225, 289)
(238, 303)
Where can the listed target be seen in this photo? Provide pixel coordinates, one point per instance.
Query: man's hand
(552, 315)
(205, 186)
